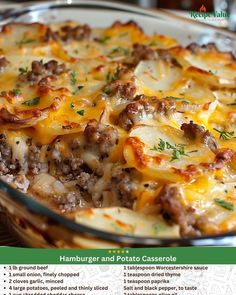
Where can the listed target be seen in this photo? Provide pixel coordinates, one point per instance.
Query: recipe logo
(204, 14)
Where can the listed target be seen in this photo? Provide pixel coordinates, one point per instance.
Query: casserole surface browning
(120, 130)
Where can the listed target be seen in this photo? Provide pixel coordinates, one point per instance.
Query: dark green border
(180, 255)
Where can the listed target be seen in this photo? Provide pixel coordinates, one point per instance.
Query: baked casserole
(122, 131)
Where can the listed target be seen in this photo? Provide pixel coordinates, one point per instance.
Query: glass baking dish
(34, 223)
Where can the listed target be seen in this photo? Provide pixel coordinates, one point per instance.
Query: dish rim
(35, 206)
(26, 7)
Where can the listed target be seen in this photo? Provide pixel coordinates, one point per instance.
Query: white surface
(216, 280)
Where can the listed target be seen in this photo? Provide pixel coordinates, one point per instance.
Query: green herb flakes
(73, 78)
(78, 89)
(161, 145)
(179, 98)
(25, 41)
(16, 92)
(225, 135)
(72, 105)
(23, 70)
(178, 150)
(212, 72)
(118, 50)
(32, 102)
(80, 112)
(104, 40)
(111, 77)
(232, 103)
(175, 155)
(224, 204)
(154, 148)
(169, 146)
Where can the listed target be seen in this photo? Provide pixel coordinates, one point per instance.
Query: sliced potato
(125, 221)
(161, 151)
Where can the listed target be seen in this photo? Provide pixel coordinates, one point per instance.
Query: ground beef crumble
(34, 164)
(78, 33)
(120, 89)
(7, 164)
(174, 212)
(43, 72)
(68, 33)
(3, 63)
(121, 181)
(142, 52)
(198, 133)
(104, 137)
(143, 107)
(132, 114)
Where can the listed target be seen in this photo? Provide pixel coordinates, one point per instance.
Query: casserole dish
(38, 225)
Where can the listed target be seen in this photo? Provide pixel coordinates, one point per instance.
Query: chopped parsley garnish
(78, 89)
(154, 148)
(178, 150)
(161, 145)
(104, 39)
(169, 146)
(182, 150)
(179, 98)
(174, 97)
(32, 102)
(108, 77)
(73, 76)
(16, 92)
(72, 105)
(193, 151)
(212, 73)
(80, 112)
(232, 103)
(175, 155)
(25, 41)
(119, 50)
(23, 70)
(111, 77)
(224, 204)
(225, 135)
